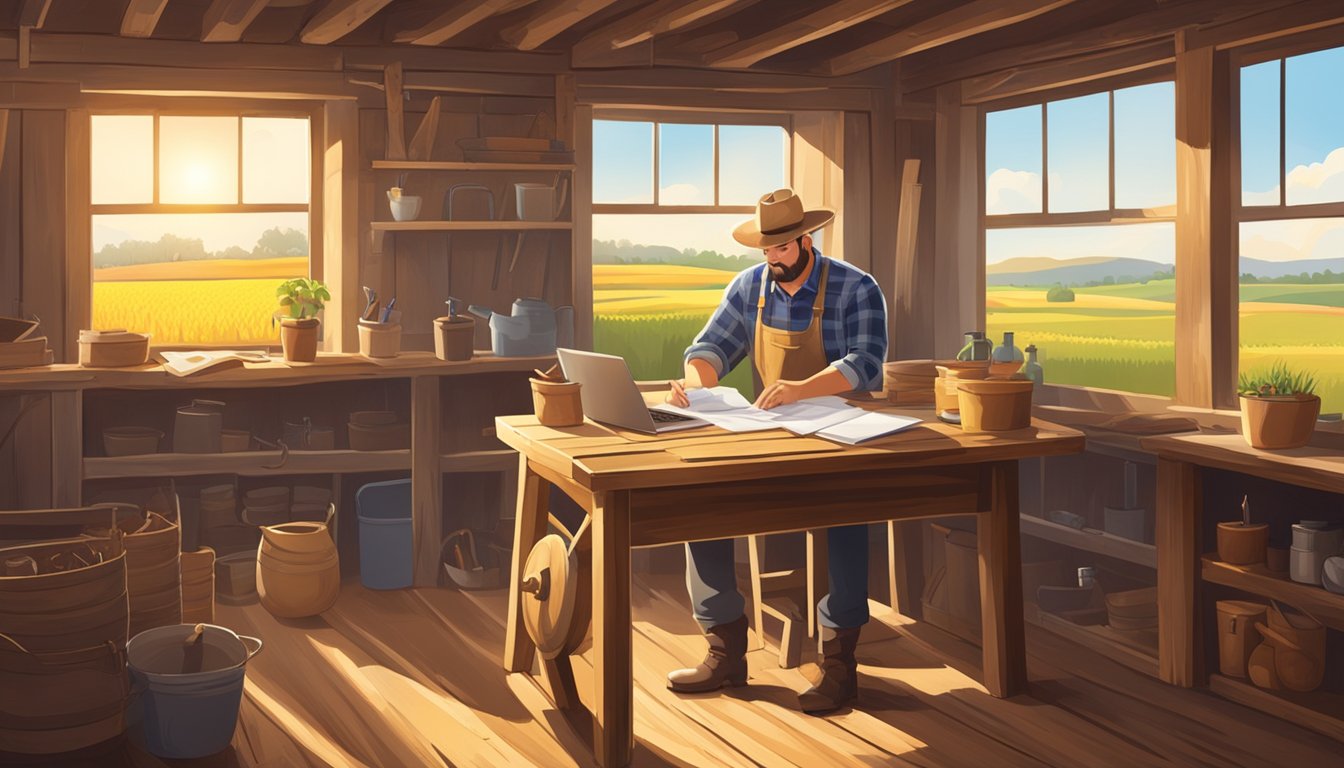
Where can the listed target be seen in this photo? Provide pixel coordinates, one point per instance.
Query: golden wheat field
(208, 312)
(207, 269)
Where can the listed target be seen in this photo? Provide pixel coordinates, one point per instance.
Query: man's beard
(783, 274)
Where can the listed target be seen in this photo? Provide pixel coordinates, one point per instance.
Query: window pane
(1292, 288)
(198, 160)
(195, 278)
(685, 164)
(622, 162)
(1145, 146)
(1077, 134)
(1013, 161)
(275, 160)
(1260, 134)
(1115, 325)
(122, 165)
(753, 162)
(1314, 127)
(656, 280)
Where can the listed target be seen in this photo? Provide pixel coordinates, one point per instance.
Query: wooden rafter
(654, 19)
(34, 13)
(339, 18)
(226, 20)
(548, 19)
(453, 22)
(813, 26)
(963, 21)
(141, 17)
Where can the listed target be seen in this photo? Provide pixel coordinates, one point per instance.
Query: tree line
(274, 243)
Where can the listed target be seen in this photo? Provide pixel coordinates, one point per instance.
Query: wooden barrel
(153, 575)
(198, 586)
(62, 668)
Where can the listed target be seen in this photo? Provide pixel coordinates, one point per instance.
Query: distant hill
(1080, 271)
(626, 252)
(1272, 269)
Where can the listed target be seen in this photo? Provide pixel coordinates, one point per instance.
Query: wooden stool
(811, 579)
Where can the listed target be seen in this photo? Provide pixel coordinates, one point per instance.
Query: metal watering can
(531, 331)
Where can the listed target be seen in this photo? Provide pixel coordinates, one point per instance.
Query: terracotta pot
(1279, 421)
(994, 405)
(298, 338)
(557, 403)
(298, 572)
(1242, 544)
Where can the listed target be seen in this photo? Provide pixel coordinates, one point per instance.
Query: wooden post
(958, 281)
(818, 577)
(1004, 643)
(582, 234)
(426, 480)
(529, 526)
(67, 448)
(396, 112)
(78, 233)
(613, 667)
(1206, 253)
(340, 221)
(1176, 537)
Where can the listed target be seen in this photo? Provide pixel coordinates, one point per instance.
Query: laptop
(610, 396)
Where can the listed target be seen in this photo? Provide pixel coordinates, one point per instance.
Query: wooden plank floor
(412, 678)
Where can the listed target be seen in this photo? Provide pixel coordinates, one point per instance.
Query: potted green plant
(301, 299)
(1278, 407)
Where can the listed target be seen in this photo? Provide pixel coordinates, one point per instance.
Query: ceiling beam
(337, 19)
(34, 13)
(226, 20)
(141, 17)
(814, 26)
(656, 18)
(548, 19)
(963, 21)
(453, 22)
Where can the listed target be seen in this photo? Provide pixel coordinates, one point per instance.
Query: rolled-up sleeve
(726, 337)
(865, 326)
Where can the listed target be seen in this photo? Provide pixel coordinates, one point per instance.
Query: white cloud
(1009, 191)
(1292, 239)
(681, 194)
(1321, 182)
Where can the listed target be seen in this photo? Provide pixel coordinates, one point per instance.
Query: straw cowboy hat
(780, 218)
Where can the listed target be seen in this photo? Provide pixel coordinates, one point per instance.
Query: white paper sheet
(808, 416)
(870, 426)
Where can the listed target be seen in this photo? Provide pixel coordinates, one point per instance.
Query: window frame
(312, 111)
(715, 119)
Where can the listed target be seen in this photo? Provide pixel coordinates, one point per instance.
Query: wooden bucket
(153, 575)
(61, 665)
(298, 571)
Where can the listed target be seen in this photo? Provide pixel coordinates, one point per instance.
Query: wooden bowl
(235, 440)
(112, 349)
(131, 441)
(994, 405)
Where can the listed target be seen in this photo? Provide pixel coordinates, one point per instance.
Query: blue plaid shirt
(853, 323)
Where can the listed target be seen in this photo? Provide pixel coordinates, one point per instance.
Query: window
(1292, 218)
(196, 219)
(1079, 205)
(666, 196)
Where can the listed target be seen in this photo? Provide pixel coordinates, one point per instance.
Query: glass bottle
(977, 347)
(1006, 352)
(1033, 369)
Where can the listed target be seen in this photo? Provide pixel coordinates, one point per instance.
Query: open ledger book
(827, 417)
(195, 361)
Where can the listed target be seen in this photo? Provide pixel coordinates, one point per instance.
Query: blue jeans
(712, 580)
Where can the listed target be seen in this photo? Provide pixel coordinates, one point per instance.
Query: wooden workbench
(641, 490)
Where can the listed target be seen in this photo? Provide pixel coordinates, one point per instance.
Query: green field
(1114, 336)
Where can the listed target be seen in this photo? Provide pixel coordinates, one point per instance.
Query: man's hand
(780, 393)
(677, 395)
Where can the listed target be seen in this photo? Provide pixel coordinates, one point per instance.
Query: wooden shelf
(276, 373)
(443, 165)
(1312, 466)
(1321, 712)
(248, 463)
(1098, 542)
(470, 226)
(1121, 647)
(1259, 580)
(478, 461)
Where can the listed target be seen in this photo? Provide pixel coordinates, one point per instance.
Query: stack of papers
(828, 417)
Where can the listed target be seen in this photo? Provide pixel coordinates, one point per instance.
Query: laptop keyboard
(664, 417)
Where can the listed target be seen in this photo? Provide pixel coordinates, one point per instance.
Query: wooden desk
(638, 491)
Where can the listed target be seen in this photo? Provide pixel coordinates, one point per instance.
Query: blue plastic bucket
(386, 555)
(188, 714)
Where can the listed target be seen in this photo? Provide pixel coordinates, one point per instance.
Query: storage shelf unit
(1118, 646)
(246, 463)
(1321, 712)
(478, 461)
(1096, 542)
(1327, 607)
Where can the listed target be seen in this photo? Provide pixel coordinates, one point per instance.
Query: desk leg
(613, 689)
(529, 527)
(818, 577)
(1004, 643)
(1177, 555)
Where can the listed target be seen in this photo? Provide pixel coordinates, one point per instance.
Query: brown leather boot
(724, 665)
(839, 681)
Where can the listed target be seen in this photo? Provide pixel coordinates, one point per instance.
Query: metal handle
(539, 586)
(248, 640)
